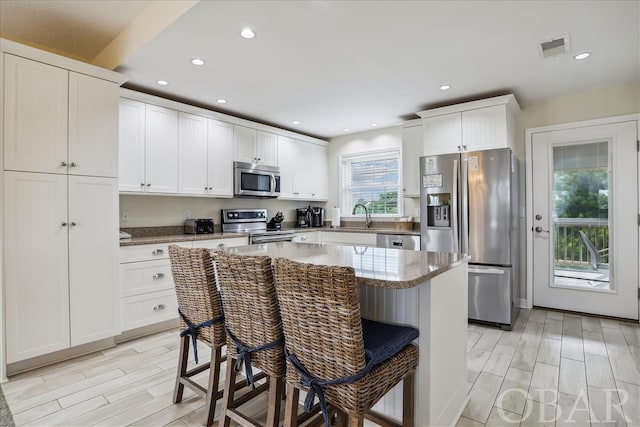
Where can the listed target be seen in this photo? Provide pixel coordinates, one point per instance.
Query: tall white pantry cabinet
(60, 203)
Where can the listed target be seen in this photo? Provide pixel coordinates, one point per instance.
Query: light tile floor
(554, 369)
(547, 371)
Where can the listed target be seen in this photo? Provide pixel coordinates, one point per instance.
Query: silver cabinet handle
(63, 164)
(158, 276)
(157, 252)
(148, 184)
(303, 237)
(73, 224)
(220, 246)
(159, 307)
(464, 147)
(142, 184)
(64, 224)
(74, 164)
(459, 147)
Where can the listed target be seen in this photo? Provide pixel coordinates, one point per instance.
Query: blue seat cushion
(383, 341)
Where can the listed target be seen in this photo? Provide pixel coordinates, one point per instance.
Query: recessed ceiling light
(295, 122)
(247, 33)
(445, 87)
(347, 129)
(197, 61)
(583, 55)
(163, 82)
(374, 124)
(221, 101)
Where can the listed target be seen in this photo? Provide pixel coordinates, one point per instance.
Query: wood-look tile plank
(499, 360)
(139, 412)
(537, 414)
(35, 412)
(499, 418)
(176, 423)
(512, 338)
(594, 343)
(532, 332)
(630, 398)
(615, 340)
(555, 315)
(549, 351)
(476, 359)
(63, 416)
(130, 389)
(552, 329)
(609, 323)
(525, 355)
(21, 384)
(544, 383)
(572, 410)
(635, 353)
(81, 365)
(572, 348)
(599, 372)
(623, 366)
(472, 339)
(605, 408)
(107, 411)
(174, 412)
(468, 422)
(489, 339)
(538, 315)
(572, 325)
(513, 393)
(47, 386)
(573, 379)
(631, 334)
(591, 324)
(482, 396)
(130, 363)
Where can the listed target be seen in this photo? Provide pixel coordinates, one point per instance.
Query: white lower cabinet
(60, 262)
(147, 293)
(364, 239)
(307, 237)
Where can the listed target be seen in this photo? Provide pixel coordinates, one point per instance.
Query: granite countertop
(389, 268)
(151, 240)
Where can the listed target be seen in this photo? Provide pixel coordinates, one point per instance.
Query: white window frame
(345, 211)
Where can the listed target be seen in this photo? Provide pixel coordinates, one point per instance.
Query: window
(373, 180)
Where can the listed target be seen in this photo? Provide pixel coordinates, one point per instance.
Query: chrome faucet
(367, 217)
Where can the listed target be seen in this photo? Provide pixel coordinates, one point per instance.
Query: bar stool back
(335, 355)
(201, 319)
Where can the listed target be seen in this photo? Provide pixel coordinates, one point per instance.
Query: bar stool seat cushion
(383, 340)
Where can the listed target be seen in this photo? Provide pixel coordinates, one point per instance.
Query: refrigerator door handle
(485, 270)
(454, 208)
(464, 222)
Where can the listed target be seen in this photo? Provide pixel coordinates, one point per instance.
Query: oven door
(251, 181)
(256, 240)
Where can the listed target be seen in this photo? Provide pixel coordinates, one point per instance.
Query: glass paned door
(580, 203)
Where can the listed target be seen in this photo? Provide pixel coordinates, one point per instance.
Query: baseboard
(524, 303)
(147, 330)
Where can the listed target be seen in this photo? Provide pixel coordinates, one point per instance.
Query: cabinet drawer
(215, 243)
(144, 252)
(147, 309)
(143, 277)
(367, 239)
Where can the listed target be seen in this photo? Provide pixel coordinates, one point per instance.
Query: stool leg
(408, 400)
(276, 390)
(355, 421)
(229, 392)
(291, 407)
(212, 386)
(182, 369)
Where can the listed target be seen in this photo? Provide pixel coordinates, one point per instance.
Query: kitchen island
(427, 290)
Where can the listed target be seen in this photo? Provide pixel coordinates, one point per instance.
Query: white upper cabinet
(319, 169)
(131, 138)
(192, 154)
(442, 134)
(161, 150)
(254, 146)
(93, 126)
(478, 125)
(294, 168)
(412, 150)
(220, 158)
(35, 116)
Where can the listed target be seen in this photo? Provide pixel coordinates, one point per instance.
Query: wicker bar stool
(335, 355)
(201, 319)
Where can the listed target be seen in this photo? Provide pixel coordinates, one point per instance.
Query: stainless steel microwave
(256, 180)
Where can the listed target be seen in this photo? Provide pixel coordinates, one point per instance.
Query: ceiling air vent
(555, 47)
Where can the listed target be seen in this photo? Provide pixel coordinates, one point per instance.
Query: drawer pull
(157, 252)
(158, 276)
(159, 307)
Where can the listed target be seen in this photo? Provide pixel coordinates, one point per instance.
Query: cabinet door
(289, 158)
(36, 264)
(220, 158)
(345, 238)
(266, 148)
(94, 290)
(192, 154)
(244, 144)
(35, 116)
(319, 167)
(442, 134)
(131, 145)
(93, 126)
(161, 150)
(412, 149)
(485, 128)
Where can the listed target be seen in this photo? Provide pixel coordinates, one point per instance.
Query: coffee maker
(317, 216)
(303, 217)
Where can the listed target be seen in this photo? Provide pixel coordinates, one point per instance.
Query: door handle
(540, 230)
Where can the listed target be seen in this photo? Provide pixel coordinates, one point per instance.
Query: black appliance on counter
(317, 216)
(198, 226)
(303, 217)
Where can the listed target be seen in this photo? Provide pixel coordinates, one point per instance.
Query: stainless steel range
(254, 222)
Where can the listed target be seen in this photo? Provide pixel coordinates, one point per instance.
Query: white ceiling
(346, 64)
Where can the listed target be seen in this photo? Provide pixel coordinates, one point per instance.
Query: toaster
(198, 226)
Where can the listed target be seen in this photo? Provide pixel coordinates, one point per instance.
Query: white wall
(153, 210)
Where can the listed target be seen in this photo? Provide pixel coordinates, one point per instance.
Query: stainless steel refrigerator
(469, 203)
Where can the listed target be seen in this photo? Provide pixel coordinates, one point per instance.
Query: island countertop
(388, 268)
